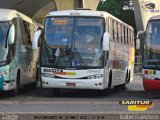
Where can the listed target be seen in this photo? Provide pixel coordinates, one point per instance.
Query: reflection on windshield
(73, 42)
(4, 26)
(58, 31)
(152, 44)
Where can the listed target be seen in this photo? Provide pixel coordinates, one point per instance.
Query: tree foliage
(117, 9)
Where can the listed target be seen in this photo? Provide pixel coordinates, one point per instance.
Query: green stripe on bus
(1, 83)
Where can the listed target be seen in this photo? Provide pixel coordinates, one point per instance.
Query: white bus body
(18, 62)
(108, 63)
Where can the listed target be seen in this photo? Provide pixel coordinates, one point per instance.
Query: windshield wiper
(66, 55)
(58, 60)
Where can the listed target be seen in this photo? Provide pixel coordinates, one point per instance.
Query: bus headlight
(95, 76)
(149, 77)
(47, 75)
(4, 74)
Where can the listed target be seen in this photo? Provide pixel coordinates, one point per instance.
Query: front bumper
(151, 84)
(96, 84)
(6, 85)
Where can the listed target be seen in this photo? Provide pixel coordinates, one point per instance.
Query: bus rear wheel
(110, 80)
(125, 85)
(121, 87)
(35, 83)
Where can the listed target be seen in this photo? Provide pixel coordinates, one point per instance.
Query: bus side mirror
(137, 44)
(140, 36)
(11, 35)
(106, 41)
(35, 39)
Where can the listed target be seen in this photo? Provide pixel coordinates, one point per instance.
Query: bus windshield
(4, 26)
(152, 45)
(73, 42)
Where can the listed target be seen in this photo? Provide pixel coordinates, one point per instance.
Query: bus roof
(157, 17)
(84, 13)
(9, 14)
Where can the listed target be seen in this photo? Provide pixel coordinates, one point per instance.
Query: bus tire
(129, 78)
(37, 76)
(56, 92)
(15, 91)
(17, 83)
(124, 86)
(110, 79)
(34, 84)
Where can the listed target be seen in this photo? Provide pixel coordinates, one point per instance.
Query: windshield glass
(4, 26)
(58, 31)
(152, 45)
(73, 42)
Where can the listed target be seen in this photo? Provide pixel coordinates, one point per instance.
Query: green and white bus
(84, 49)
(18, 62)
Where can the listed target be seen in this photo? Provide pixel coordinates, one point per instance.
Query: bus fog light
(100, 84)
(150, 77)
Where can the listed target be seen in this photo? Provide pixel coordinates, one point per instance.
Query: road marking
(78, 113)
(68, 102)
(61, 102)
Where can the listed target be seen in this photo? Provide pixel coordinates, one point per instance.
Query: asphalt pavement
(89, 104)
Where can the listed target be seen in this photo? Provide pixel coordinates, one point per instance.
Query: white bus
(18, 62)
(84, 49)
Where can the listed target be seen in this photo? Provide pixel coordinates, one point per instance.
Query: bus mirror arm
(106, 41)
(35, 39)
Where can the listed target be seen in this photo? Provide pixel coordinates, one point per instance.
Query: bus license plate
(71, 84)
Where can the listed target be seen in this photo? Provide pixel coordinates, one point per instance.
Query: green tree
(121, 9)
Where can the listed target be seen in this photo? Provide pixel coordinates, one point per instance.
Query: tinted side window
(126, 36)
(25, 33)
(113, 32)
(119, 33)
(122, 29)
(129, 40)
